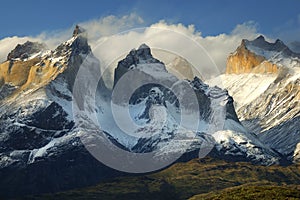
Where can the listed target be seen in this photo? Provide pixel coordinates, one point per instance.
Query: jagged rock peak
(143, 52)
(136, 59)
(261, 42)
(24, 51)
(279, 45)
(78, 30)
(278, 41)
(198, 84)
(260, 38)
(144, 47)
(261, 56)
(78, 44)
(138, 56)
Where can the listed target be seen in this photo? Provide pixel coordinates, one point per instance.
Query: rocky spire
(141, 55)
(260, 41)
(260, 38)
(135, 57)
(78, 30)
(144, 52)
(78, 44)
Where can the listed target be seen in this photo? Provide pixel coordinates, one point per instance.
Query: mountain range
(50, 140)
(263, 78)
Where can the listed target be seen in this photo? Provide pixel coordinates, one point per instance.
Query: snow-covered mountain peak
(27, 51)
(143, 52)
(261, 57)
(139, 56)
(31, 66)
(78, 44)
(275, 52)
(141, 60)
(170, 116)
(259, 41)
(263, 78)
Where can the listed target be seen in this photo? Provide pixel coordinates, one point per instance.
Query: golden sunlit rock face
(245, 61)
(16, 72)
(29, 74)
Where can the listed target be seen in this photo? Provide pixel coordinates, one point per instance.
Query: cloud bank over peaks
(112, 37)
(207, 54)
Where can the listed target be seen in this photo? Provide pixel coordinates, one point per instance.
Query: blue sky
(275, 18)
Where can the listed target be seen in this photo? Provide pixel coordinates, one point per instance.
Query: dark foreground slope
(218, 178)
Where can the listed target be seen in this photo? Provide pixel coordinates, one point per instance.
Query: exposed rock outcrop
(259, 56)
(141, 55)
(23, 51)
(242, 60)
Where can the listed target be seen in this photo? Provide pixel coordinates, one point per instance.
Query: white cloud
(96, 28)
(247, 29)
(111, 25)
(208, 54)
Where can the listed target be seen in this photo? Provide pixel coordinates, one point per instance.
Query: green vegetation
(246, 192)
(207, 179)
